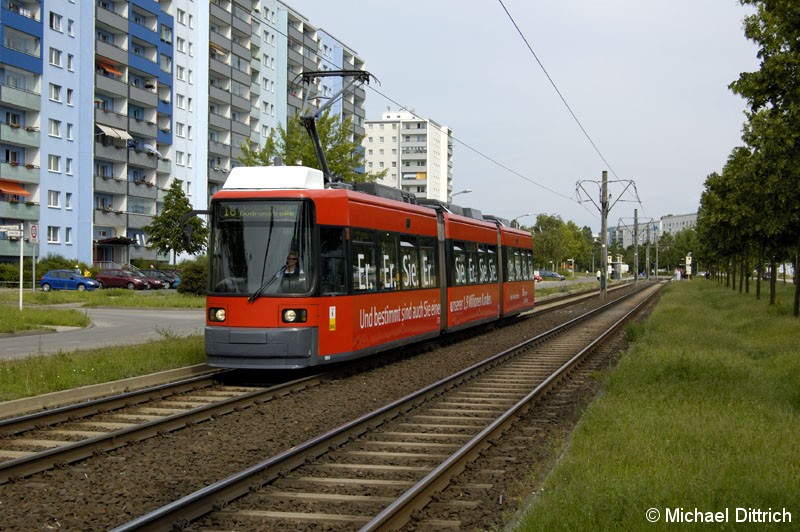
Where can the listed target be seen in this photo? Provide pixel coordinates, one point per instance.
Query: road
(110, 327)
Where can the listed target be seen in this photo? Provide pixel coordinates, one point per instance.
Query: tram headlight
(292, 315)
(216, 314)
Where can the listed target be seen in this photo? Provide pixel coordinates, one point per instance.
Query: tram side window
(518, 265)
(483, 268)
(471, 249)
(363, 263)
(459, 265)
(333, 274)
(389, 278)
(409, 263)
(428, 267)
(491, 263)
(509, 267)
(529, 261)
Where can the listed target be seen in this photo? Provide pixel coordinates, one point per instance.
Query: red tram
(368, 273)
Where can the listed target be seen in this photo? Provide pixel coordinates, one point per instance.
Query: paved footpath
(110, 327)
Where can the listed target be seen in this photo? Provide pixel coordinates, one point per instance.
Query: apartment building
(417, 154)
(104, 103)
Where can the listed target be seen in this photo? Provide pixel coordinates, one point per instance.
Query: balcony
(109, 218)
(19, 210)
(141, 128)
(110, 185)
(110, 152)
(142, 158)
(24, 173)
(111, 118)
(20, 99)
(115, 54)
(141, 189)
(138, 221)
(26, 136)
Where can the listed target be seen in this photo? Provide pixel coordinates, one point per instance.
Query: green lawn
(701, 416)
(45, 310)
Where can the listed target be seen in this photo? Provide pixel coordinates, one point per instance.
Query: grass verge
(41, 374)
(13, 320)
(40, 311)
(702, 415)
(115, 297)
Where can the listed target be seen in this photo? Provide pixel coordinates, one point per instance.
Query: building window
(68, 168)
(69, 96)
(53, 197)
(54, 128)
(55, 92)
(55, 57)
(54, 163)
(68, 235)
(55, 21)
(53, 234)
(68, 200)
(70, 62)
(69, 131)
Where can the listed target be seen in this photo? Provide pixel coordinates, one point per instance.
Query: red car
(121, 279)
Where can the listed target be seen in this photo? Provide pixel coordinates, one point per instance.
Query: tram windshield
(261, 247)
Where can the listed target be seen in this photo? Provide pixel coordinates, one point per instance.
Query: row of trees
(750, 212)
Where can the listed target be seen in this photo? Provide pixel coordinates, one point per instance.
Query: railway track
(376, 471)
(64, 434)
(36, 442)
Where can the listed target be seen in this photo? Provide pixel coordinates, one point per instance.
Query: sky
(645, 85)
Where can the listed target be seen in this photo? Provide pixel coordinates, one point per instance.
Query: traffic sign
(15, 227)
(16, 233)
(34, 229)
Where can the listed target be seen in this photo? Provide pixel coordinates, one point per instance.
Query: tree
(773, 93)
(167, 228)
(294, 146)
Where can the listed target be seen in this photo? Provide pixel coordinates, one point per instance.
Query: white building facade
(417, 154)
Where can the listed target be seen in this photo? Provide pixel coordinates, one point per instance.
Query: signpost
(16, 231)
(34, 232)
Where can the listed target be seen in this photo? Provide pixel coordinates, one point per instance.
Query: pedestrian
(77, 269)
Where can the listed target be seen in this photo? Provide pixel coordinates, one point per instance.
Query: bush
(194, 277)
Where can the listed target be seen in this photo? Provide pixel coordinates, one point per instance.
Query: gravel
(110, 489)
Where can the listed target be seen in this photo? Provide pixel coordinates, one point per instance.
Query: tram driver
(293, 279)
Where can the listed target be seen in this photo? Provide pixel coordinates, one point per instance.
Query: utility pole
(647, 254)
(635, 247)
(604, 237)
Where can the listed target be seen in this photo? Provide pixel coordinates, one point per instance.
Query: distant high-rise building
(103, 104)
(417, 154)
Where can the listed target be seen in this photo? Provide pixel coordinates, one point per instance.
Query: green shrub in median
(701, 416)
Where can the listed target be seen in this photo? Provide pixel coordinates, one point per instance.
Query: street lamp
(465, 191)
(518, 217)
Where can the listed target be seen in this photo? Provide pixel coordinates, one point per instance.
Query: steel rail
(220, 493)
(397, 514)
(79, 450)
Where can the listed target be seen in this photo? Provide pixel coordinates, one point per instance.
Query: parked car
(155, 279)
(66, 280)
(548, 275)
(537, 277)
(173, 278)
(122, 279)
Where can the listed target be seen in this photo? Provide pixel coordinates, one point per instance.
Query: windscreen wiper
(255, 295)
